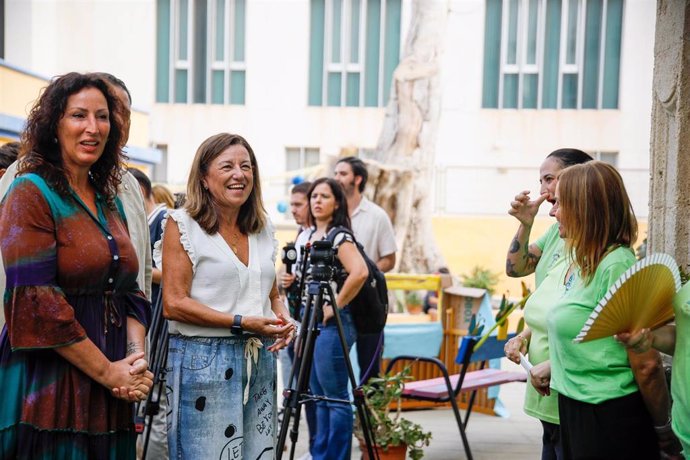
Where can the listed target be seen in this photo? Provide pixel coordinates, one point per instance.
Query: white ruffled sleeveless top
(220, 280)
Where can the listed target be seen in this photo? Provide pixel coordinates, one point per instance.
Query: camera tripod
(158, 357)
(294, 398)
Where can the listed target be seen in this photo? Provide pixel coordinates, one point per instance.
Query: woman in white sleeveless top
(226, 317)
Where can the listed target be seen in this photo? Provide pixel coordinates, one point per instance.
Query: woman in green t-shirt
(525, 258)
(602, 413)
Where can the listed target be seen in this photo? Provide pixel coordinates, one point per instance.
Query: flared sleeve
(36, 310)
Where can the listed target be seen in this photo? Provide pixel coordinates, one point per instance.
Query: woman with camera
(329, 215)
(226, 317)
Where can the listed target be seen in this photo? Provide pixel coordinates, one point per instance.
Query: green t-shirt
(536, 311)
(595, 371)
(680, 385)
(552, 248)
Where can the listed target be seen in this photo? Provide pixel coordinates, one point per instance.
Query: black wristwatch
(236, 328)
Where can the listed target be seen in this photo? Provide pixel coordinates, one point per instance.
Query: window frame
(522, 69)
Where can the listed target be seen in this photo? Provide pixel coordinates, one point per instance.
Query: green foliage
(413, 298)
(505, 309)
(390, 429)
(483, 278)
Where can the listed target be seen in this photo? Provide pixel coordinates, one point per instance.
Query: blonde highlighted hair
(199, 204)
(596, 213)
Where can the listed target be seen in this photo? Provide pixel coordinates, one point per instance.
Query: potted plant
(392, 434)
(413, 302)
(483, 278)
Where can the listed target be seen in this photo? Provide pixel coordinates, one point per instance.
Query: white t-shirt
(219, 279)
(373, 230)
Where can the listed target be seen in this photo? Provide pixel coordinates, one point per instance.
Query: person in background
(156, 214)
(129, 192)
(299, 207)
(327, 215)
(431, 297)
(8, 155)
(132, 198)
(540, 257)
(672, 339)
(602, 412)
(374, 231)
(162, 195)
(72, 269)
(225, 315)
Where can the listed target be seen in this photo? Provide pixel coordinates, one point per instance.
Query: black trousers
(618, 429)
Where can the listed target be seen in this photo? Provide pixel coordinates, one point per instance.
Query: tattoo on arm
(531, 260)
(510, 269)
(132, 347)
(514, 246)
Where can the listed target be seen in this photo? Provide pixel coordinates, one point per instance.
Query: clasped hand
(281, 328)
(130, 379)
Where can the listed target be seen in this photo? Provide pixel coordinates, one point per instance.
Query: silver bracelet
(662, 429)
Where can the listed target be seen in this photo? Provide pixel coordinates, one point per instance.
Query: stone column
(669, 219)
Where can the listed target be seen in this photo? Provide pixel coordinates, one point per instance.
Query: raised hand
(524, 209)
(286, 280)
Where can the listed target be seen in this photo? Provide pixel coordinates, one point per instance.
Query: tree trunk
(402, 175)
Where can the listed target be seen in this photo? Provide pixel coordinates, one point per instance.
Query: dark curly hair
(44, 155)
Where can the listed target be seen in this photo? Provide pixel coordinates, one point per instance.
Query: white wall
(52, 37)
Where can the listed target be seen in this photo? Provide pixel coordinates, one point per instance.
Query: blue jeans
(333, 438)
(209, 418)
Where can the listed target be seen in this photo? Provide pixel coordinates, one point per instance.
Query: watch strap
(236, 327)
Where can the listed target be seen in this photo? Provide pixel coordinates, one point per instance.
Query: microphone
(289, 256)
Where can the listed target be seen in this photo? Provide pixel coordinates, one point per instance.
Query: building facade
(304, 80)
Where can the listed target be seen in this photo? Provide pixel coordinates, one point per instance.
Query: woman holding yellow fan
(602, 412)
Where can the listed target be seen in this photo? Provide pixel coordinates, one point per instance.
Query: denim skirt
(223, 398)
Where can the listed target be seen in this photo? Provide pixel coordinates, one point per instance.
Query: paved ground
(517, 437)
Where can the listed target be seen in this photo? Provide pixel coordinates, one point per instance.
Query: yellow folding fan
(642, 297)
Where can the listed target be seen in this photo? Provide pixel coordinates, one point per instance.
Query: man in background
(374, 231)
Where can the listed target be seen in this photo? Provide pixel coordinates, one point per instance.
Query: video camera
(322, 258)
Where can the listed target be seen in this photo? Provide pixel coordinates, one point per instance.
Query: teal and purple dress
(70, 276)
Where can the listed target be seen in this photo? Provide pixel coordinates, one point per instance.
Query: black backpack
(369, 308)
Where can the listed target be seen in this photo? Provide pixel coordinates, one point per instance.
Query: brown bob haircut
(199, 204)
(596, 212)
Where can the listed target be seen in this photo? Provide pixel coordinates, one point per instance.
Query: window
(298, 158)
(552, 54)
(200, 51)
(607, 157)
(354, 49)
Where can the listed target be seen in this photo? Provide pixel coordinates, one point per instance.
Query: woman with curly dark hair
(72, 303)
